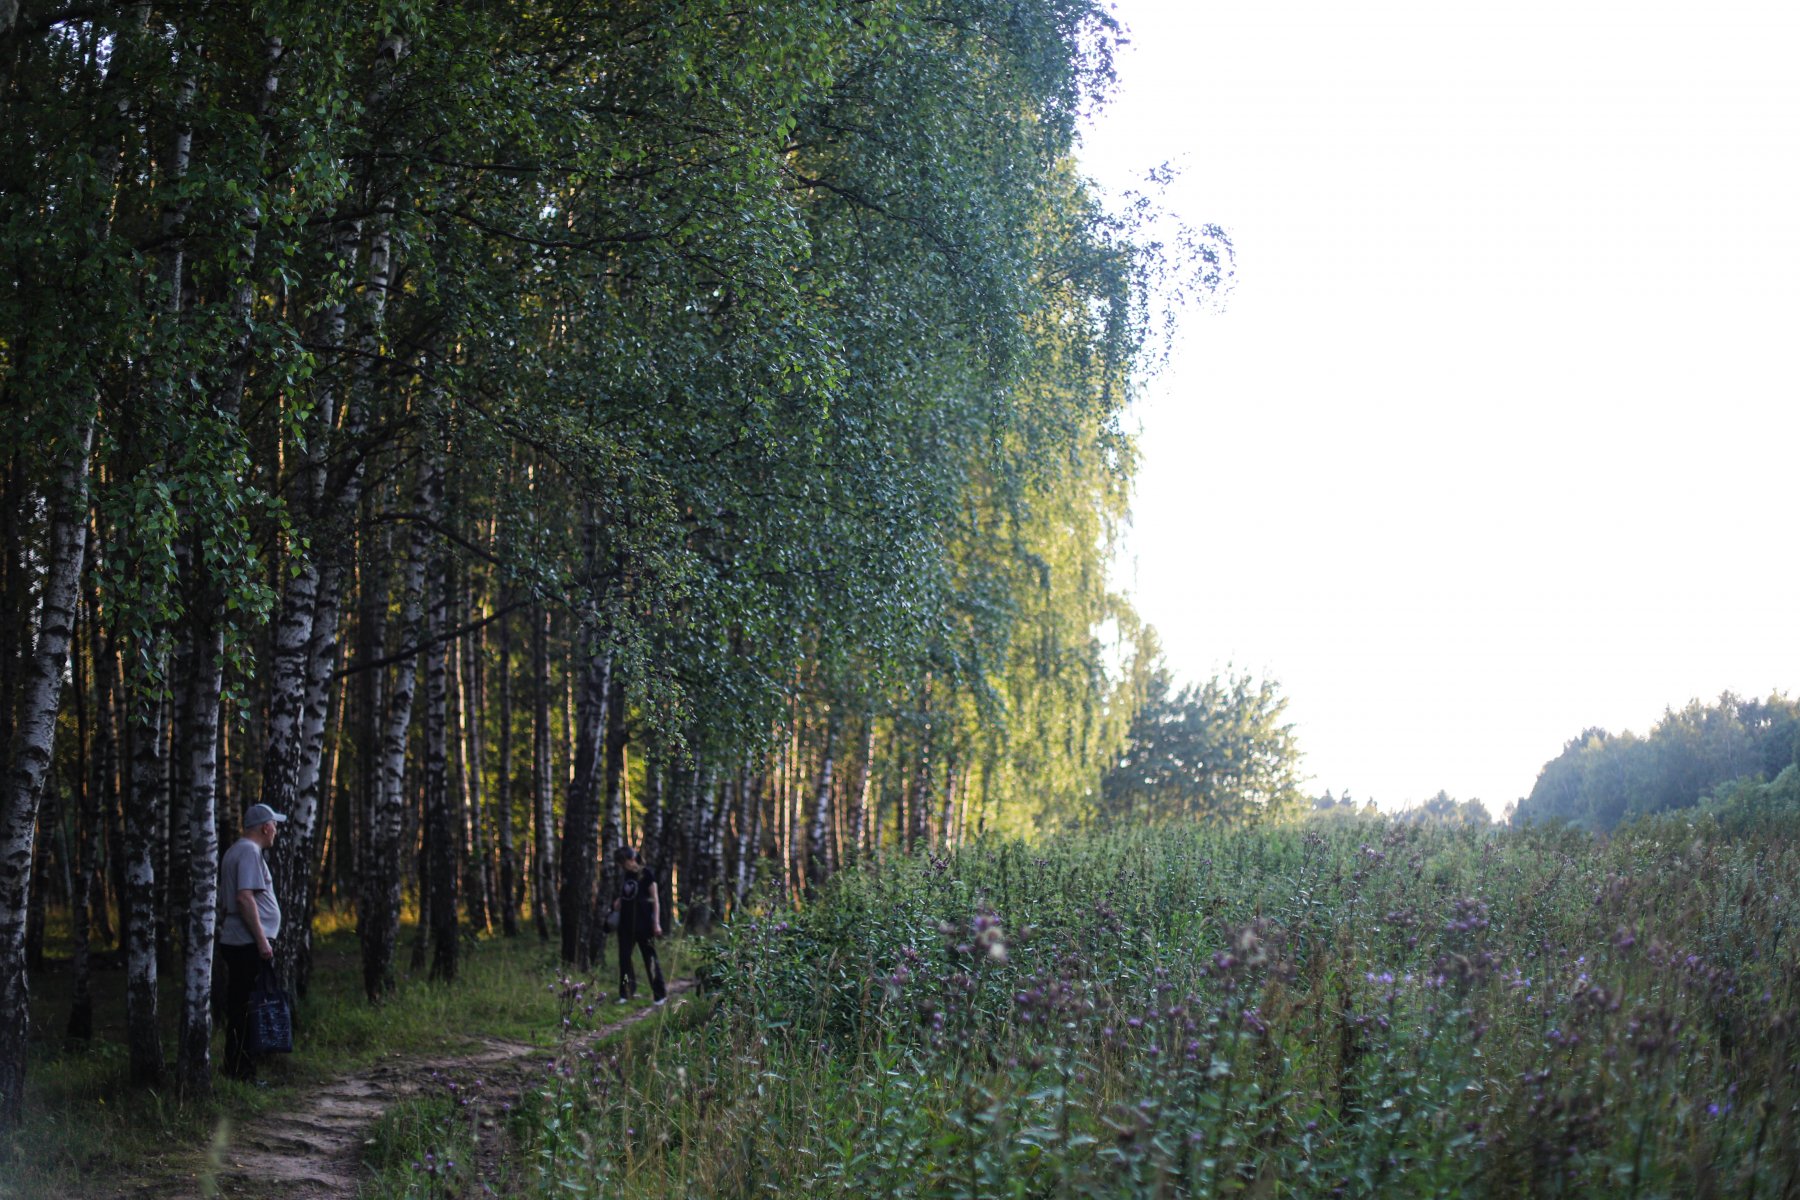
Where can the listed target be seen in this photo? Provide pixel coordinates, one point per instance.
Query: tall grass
(1356, 1010)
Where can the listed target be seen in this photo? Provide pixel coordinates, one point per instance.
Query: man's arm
(246, 906)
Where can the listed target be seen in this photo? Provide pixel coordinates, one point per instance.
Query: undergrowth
(1361, 1010)
(86, 1130)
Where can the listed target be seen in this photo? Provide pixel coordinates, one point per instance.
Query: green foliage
(811, 340)
(1213, 751)
(1379, 1008)
(1600, 780)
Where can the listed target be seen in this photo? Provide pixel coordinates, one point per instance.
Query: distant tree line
(491, 433)
(1442, 809)
(1601, 779)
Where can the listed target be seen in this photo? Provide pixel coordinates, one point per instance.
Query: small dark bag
(271, 1016)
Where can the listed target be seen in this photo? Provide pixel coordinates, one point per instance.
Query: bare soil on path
(314, 1150)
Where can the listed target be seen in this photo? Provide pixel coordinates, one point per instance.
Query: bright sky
(1496, 438)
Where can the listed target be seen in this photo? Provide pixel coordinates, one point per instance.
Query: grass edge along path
(87, 1133)
(317, 1147)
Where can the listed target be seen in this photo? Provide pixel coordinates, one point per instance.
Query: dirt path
(314, 1150)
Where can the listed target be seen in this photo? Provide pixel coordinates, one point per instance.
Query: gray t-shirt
(243, 867)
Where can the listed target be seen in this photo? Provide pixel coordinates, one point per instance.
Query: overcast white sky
(1497, 436)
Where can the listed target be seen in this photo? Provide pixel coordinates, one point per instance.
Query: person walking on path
(252, 922)
(640, 921)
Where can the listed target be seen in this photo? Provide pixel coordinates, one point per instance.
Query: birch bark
(193, 1066)
(468, 712)
(503, 806)
(859, 812)
(33, 744)
(581, 811)
(144, 806)
(543, 819)
(818, 858)
(611, 820)
(378, 909)
(441, 833)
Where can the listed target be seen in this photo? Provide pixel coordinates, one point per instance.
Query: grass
(1348, 1010)
(87, 1132)
(450, 1141)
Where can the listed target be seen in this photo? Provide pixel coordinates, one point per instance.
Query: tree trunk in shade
(193, 1061)
(612, 816)
(378, 911)
(442, 835)
(144, 806)
(581, 810)
(818, 857)
(476, 885)
(543, 819)
(503, 807)
(946, 825)
(31, 750)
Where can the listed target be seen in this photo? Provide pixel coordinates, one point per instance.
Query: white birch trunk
(818, 864)
(612, 815)
(946, 825)
(503, 798)
(441, 833)
(749, 814)
(378, 910)
(859, 812)
(29, 755)
(193, 1065)
(475, 874)
(543, 818)
(144, 806)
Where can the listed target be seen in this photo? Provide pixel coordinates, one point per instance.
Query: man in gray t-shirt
(250, 921)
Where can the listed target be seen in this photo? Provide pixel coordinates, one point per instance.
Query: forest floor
(315, 1150)
(368, 1089)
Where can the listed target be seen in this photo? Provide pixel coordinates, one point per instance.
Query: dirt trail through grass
(313, 1151)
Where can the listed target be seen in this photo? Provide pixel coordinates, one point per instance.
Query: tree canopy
(1216, 750)
(492, 433)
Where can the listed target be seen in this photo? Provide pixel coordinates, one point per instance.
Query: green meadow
(1355, 1008)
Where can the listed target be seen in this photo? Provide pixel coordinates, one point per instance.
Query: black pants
(242, 965)
(630, 939)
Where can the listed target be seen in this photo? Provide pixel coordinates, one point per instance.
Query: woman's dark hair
(624, 854)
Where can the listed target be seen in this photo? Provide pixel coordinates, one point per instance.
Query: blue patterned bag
(271, 1016)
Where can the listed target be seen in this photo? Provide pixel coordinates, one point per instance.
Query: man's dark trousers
(242, 965)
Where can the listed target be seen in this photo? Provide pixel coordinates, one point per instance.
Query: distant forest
(1693, 754)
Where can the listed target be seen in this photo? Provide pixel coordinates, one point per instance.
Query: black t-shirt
(636, 911)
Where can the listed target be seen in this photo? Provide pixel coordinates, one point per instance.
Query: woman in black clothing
(640, 921)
